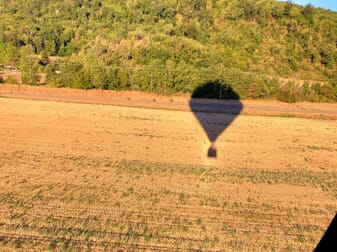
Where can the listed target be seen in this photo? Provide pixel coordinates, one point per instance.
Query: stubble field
(97, 177)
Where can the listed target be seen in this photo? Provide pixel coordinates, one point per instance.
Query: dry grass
(80, 203)
(77, 177)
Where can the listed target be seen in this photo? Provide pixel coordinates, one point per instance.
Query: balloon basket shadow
(212, 152)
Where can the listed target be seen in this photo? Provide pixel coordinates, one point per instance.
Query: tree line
(174, 46)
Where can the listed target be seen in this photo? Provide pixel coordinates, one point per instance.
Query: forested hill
(261, 48)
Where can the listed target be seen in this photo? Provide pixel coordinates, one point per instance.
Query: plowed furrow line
(214, 225)
(4, 236)
(247, 244)
(187, 212)
(101, 231)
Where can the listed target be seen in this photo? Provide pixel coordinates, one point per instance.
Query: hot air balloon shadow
(215, 106)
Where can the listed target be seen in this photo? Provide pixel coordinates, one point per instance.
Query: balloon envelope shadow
(329, 240)
(215, 106)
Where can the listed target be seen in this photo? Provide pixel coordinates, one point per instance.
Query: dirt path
(147, 100)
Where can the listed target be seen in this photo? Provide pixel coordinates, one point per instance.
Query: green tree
(29, 66)
(44, 60)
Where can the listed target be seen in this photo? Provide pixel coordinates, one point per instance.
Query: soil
(174, 102)
(87, 175)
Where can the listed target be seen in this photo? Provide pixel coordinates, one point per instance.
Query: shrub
(287, 94)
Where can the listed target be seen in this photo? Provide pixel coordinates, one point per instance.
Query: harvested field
(97, 177)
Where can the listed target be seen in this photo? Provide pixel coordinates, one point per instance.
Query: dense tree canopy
(173, 45)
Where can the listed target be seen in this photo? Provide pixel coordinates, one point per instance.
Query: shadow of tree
(215, 106)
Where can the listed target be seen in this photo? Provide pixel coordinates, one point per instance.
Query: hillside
(261, 49)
